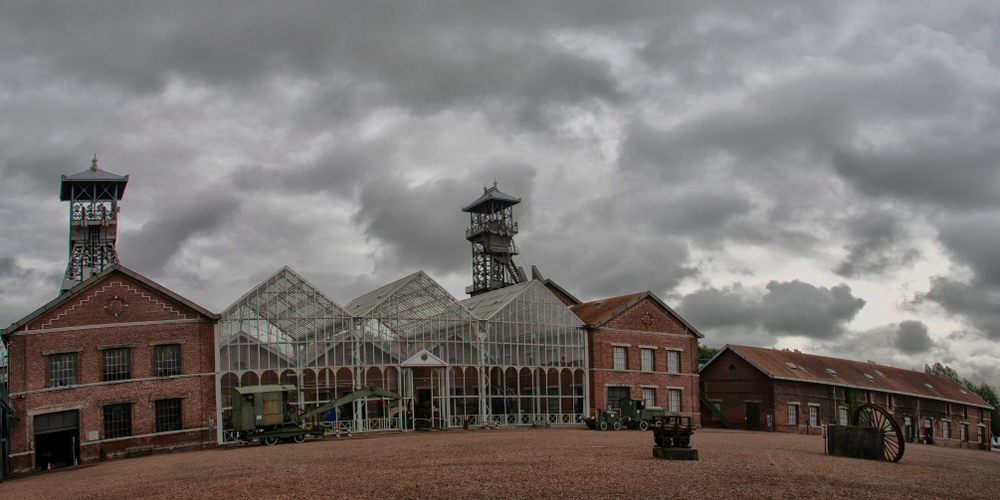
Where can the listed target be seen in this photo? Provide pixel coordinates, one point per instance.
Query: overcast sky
(812, 175)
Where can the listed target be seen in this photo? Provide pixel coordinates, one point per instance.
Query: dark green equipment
(605, 419)
(264, 413)
(636, 415)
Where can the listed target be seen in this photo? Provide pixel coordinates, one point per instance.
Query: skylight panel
(869, 377)
(929, 386)
(963, 392)
(831, 372)
(791, 366)
(880, 374)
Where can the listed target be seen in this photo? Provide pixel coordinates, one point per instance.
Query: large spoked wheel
(298, 438)
(271, 441)
(643, 425)
(604, 426)
(870, 415)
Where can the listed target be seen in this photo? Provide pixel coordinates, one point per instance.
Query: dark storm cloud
(976, 303)
(791, 308)
(422, 227)
(912, 337)
(973, 241)
(148, 249)
(879, 242)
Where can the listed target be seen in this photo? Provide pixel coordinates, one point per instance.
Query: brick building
(638, 347)
(116, 362)
(768, 389)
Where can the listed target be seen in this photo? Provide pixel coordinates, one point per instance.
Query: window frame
(674, 401)
(793, 414)
(117, 427)
(814, 416)
(106, 374)
(647, 359)
(619, 357)
(673, 361)
(168, 415)
(646, 392)
(164, 366)
(64, 369)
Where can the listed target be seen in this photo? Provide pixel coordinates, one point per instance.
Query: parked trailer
(264, 413)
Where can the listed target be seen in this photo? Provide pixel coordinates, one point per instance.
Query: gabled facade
(768, 389)
(116, 362)
(640, 348)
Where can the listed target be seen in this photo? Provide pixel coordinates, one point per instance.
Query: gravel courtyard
(571, 462)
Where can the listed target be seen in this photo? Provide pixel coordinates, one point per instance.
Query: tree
(985, 391)
(706, 353)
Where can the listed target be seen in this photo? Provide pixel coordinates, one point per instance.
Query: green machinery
(604, 419)
(264, 413)
(636, 415)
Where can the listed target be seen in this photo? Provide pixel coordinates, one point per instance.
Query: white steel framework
(514, 356)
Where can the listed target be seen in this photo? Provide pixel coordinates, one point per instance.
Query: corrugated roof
(848, 373)
(485, 305)
(493, 195)
(73, 292)
(598, 312)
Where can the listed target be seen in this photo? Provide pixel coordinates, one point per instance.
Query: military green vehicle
(263, 412)
(604, 419)
(636, 415)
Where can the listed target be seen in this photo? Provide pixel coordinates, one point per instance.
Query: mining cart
(263, 412)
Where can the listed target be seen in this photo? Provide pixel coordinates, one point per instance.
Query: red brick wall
(644, 324)
(84, 322)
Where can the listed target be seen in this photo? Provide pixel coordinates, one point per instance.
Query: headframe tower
(492, 236)
(93, 197)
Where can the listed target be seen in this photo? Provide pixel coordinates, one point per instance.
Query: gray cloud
(975, 303)
(972, 240)
(149, 248)
(879, 242)
(912, 337)
(791, 308)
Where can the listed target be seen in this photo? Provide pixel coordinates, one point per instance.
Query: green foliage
(706, 353)
(852, 401)
(985, 391)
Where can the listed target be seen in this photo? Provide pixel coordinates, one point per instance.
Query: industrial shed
(761, 389)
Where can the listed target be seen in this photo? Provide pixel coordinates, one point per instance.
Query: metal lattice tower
(93, 221)
(492, 236)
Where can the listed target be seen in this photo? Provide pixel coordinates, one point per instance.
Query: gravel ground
(571, 462)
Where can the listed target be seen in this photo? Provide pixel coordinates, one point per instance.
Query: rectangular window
(116, 364)
(168, 415)
(649, 394)
(965, 432)
(674, 361)
(675, 401)
(117, 421)
(167, 360)
(793, 414)
(615, 395)
(647, 360)
(814, 416)
(619, 355)
(843, 416)
(62, 369)
(946, 430)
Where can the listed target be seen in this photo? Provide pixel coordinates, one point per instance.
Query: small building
(117, 362)
(775, 390)
(639, 348)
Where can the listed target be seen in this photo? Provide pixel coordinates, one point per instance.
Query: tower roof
(93, 183)
(492, 197)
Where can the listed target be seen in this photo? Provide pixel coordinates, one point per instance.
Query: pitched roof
(117, 268)
(810, 368)
(102, 185)
(553, 285)
(599, 312)
(492, 196)
(485, 305)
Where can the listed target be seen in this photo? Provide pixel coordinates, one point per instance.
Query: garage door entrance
(56, 439)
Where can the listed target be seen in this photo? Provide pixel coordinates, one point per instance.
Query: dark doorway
(615, 395)
(56, 439)
(753, 416)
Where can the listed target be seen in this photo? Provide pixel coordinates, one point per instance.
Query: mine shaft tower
(93, 221)
(492, 236)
